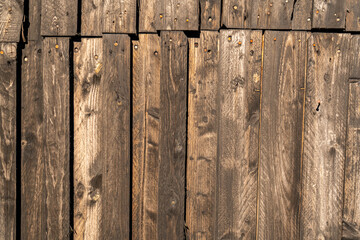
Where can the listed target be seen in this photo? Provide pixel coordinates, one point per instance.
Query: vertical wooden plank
(146, 129)
(324, 136)
(202, 135)
(34, 20)
(173, 108)
(115, 136)
(147, 16)
(92, 17)
(177, 15)
(88, 63)
(281, 134)
(240, 72)
(11, 18)
(355, 57)
(301, 16)
(329, 14)
(58, 17)
(119, 16)
(352, 17)
(8, 141)
(210, 14)
(351, 218)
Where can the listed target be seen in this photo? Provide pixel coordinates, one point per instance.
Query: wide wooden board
(34, 19)
(92, 18)
(119, 16)
(147, 16)
(11, 18)
(352, 17)
(329, 14)
(210, 14)
(354, 56)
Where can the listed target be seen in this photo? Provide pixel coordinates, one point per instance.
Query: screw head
(229, 38)
(235, 7)
(56, 46)
(96, 57)
(136, 47)
(1, 52)
(116, 44)
(25, 59)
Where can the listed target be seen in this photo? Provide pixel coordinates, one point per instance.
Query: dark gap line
(79, 15)
(26, 23)
(131, 139)
(137, 17)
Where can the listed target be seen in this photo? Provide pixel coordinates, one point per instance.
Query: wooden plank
(301, 16)
(11, 18)
(88, 63)
(147, 16)
(172, 147)
(58, 17)
(351, 218)
(8, 141)
(352, 17)
(324, 136)
(146, 129)
(177, 15)
(115, 137)
(329, 14)
(355, 57)
(202, 135)
(34, 27)
(281, 134)
(119, 16)
(91, 17)
(210, 14)
(240, 72)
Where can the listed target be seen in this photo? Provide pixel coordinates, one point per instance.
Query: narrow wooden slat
(301, 16)
(34, 20)
(354, 57)
(92, 17)
(172, 147)
(11, 18)
(240, 72)
(329, 14)
(58, 17)
(281, 134)
(8, 141)
(351, 218)
(147, 16)
(115, 137)
(324, 136)
(202, 135)
(119, 16)
(352, 17)
(88, 64)
(210, 14)
(146, 129)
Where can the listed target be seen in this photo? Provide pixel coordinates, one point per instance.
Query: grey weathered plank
(34, 20)
(324, 136)
(58, 17)
(329, 14)
(281, 134)
(352, 17)
(354, 57)
(351, 218)
(301, 16)
(8, 141)
(147, 16)
(240, 72)
(202, 135)
(115, 137)
(92, 18)
(210, 14)
(11, 18)
(119, 16)
(172, 147)
(88, 64)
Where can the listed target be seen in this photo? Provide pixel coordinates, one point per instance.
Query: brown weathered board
(329, 14)
(281, 134)
(58, 17)
(115, 137)
(202, 135)
(210, 14)
(324, 136)
(147, 16)
(354, 55)
(301, 18)
(172, 147)
(240, 73)
(92, 18)
(176, 15)
(119, 16)
(352, 17)
(146, 129)
(11, 18)
(34, 27)
(8, 141)
(351, 218)
(88, 64)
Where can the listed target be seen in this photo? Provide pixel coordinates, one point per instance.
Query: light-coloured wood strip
(92, 17)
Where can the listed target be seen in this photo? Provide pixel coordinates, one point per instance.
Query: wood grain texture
(352, 17)
(329, 14)
(34, 20)
(281, 134)
(202, 135)
(351, 218)
(92, 17)
(177, 15)
(324, 136)
(354, 55)
(301, 17)
(147, 16)
(8, 141)
(58, 17)
(115, 137)
(172, 147)
(119, 16)
(88, 64)
(146, 130)
(11, 18)
(210, 14)
(240, 72)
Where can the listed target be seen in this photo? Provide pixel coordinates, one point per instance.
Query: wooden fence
(168, 119)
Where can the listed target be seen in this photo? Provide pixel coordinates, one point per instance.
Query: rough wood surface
(324, 136)
(88, 64)
(58, 17)
(240, 72)
(172, 147)
(11, 18)
(301, 16)
(352, 17)
(8, 141)
(354, 55)
(210, 14)
(147, 16)
(329, 14)
(281, 134)
(115, 137)
(202, 135)
(92, 17)
(34, 27)
(119, 16)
